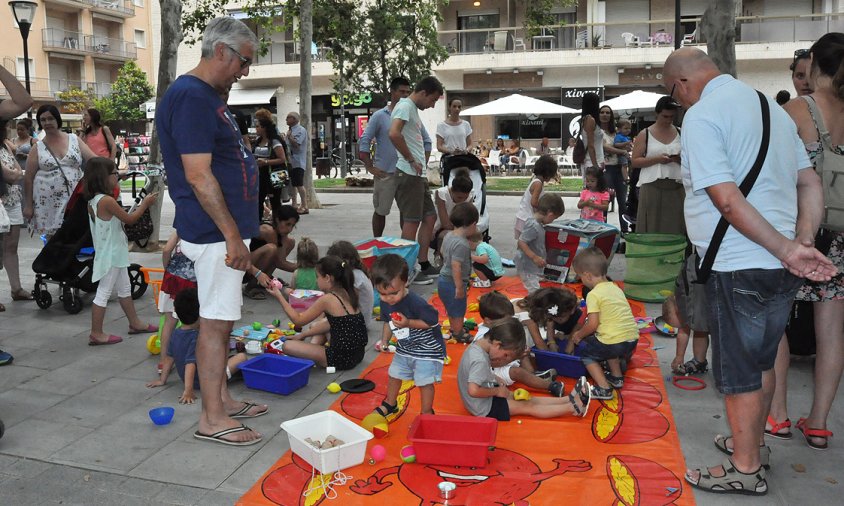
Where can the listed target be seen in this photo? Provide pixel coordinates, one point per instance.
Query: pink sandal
(112, 339)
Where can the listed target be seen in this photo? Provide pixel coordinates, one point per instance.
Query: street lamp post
(24, 13)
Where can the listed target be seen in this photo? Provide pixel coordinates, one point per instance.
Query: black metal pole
(678, 29)
(25, 35)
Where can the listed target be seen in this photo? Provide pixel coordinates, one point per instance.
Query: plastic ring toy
(698, 384)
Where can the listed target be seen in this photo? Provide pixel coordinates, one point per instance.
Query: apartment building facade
(81, 44)
(614, 46)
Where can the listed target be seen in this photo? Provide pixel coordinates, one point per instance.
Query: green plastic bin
(653, 262)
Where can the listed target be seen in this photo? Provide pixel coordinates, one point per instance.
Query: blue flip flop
(5, 358)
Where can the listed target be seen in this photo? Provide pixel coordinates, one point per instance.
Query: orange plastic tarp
(624, 452)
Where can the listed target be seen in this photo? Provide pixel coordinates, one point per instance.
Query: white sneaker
(482, 283)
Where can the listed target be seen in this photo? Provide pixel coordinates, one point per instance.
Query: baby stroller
(67, 259)
(478, 177)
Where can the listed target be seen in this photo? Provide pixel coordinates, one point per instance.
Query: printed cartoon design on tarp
(629, 433)
(508, 478)
(358, 406)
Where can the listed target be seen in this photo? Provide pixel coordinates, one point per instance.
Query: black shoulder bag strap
(746, 185)
(59, 165)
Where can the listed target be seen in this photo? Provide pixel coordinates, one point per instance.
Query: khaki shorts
(413, 197)
(384, 193)
(218, 285)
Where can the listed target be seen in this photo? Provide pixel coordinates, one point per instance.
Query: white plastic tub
(318, 427)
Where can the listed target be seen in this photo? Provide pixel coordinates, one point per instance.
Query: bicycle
(353, 165)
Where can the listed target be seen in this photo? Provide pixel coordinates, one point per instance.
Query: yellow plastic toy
(154, 344)
(376, 310)
(521, 395)
(376, 424)
(447, 360)
(333, 388)
(472, 307)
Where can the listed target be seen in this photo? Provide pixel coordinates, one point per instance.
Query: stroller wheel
(43, 298)
(72, 303)
(136, 278)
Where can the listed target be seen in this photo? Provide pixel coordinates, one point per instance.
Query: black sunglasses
(674, 102)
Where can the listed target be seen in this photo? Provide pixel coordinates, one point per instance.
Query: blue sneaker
(5, 358)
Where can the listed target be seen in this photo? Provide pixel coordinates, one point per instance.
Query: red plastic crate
(452, 439)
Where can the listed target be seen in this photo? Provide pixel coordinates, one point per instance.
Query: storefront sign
(354, 100)
(573, 97)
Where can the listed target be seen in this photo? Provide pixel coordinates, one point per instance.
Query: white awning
(251, 96)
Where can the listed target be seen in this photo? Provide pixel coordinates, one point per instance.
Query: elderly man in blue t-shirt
(765, 252)
(213, 180)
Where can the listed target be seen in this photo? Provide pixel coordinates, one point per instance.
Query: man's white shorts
(218, 285)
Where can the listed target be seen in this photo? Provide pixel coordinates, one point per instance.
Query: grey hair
(229, 31)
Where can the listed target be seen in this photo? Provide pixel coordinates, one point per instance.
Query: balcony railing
(106, 46)
(123, 8)
(41, 87)
(645, 33)
(58, 38)
(67, 41)
(289, 52)
(99, 90)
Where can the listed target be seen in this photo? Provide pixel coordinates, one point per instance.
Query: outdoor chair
(689, 38)
(566, 166)
(517, 162)
(494, 161)
(519, 43)
(500, 41)
(629, 39)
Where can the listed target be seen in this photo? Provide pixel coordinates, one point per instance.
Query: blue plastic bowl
(162, 415)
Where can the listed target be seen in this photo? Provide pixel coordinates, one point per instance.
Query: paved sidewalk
(77, 430)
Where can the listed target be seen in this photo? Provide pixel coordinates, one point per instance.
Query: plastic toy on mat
(148, 272)
(249, 332)
(301, 300)
(565, 237)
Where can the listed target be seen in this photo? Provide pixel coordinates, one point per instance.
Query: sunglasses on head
(801, 53)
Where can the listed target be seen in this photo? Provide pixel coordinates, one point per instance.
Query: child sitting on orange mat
(610, 331)
(420, 347)
(483, 395)
(556, 309)
(495, 307)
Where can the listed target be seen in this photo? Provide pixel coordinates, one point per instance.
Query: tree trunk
(171, 36)
(306, 30)
(718, 26)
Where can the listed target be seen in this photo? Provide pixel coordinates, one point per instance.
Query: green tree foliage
(264, 14)
(538, 13)
(390, 38)
(129, 91)
(75, 100)
(370, 42)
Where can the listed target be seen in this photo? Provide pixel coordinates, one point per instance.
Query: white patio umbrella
(516, 105)
(635, 100)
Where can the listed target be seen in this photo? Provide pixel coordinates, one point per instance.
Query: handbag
(705, 268)
(141, 229)
(578, 155)
(800, 330)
